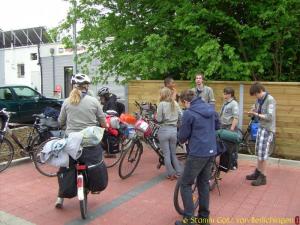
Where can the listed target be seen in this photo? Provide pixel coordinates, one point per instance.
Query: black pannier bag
(110, 143)
(97, 177)
(67, 182)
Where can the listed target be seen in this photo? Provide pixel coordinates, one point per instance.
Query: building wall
(2, 70)
(21, 55)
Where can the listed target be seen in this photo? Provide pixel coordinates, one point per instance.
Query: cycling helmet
(103, 91)
(80, 78)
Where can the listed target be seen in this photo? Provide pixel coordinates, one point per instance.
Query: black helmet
(103, 91)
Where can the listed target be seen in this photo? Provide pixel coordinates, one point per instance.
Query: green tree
(225, 39)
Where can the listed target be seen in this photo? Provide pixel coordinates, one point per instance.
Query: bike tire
(116, 157)
(130, 158)
(215, 173)
(177, 201)
(272, 146)
(249, 144)
(44, 168)
(6, 153)
(83, 205)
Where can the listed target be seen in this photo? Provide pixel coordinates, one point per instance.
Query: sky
(21, 14)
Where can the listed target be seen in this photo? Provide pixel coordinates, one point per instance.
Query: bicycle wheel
(215, 173)
(43, 168)
(112, 159)
(6, 153)
(249, 144)
(272, 146)
(130, 159)
(83, 205)
(177, 200)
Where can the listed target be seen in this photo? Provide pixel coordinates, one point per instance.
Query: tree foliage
(225, 39)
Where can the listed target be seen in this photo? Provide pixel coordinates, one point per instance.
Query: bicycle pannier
(97, 177)
(67, 182)
(228, 135)
(254, 129)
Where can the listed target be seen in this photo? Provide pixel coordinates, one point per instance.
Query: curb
(20, 161)
(274, 161)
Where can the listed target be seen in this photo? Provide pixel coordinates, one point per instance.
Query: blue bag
(253, 130)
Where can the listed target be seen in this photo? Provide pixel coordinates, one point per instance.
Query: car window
(5, 94)
(25, 93)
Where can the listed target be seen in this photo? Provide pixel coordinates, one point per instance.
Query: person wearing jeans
(198, 126)
(168, 115)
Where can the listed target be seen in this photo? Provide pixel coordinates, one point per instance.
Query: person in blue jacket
(198, 127)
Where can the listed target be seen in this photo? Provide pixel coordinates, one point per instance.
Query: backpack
(120, 108)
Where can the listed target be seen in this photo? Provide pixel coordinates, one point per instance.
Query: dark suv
(25, 101)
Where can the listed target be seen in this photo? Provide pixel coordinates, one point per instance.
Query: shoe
(261, 180)
(202, 220)
(254, 175)
(59, 203)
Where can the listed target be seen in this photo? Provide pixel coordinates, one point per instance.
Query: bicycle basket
(144, 127)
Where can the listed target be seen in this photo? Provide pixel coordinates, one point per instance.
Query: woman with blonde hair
(78, 112)
(168, 115)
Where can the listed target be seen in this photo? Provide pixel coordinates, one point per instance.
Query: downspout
(53, 68)
(41, 68)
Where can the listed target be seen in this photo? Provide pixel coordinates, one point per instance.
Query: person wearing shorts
(265, 111)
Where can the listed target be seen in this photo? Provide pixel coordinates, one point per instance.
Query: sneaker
(261, 180)
(59, 203)
(254, 175)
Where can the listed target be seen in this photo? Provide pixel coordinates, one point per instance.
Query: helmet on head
(103, 91)
(80, 78)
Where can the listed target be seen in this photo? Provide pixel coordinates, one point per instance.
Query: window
(5, 94)
(26, 93)
(33, 56)
(21, 70)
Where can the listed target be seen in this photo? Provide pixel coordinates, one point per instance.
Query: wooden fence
(286, 94)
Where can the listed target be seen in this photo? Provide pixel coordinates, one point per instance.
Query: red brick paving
(26, 194)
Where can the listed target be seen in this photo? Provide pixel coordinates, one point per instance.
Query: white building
(29, 57)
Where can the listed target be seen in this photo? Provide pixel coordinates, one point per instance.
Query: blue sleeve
(185, 129)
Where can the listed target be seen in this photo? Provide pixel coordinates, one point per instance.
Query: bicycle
(248, 140)
(213, 182)
(145, 131)
(36, 136)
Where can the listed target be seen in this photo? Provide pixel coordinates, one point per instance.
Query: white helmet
(80, 78)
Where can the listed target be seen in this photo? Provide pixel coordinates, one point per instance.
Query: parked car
(25, 101)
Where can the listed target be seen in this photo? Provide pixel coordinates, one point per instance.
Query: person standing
(168, 115)
(170, 83)
(78, 112)
(265, 111)
(203, 91)
(229, 118)
(199, 123)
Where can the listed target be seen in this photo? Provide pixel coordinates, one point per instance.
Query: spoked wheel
(250, 144)
(83, 205)
(272, 146)
(130, 159)
(177, 200)
(113, 159)
(215, 173)
(43, 168)
(6, 154)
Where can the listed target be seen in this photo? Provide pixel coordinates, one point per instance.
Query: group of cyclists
(194, 127)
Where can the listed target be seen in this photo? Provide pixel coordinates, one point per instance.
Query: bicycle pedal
(23, 153)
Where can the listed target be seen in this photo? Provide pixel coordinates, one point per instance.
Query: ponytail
(75, 96)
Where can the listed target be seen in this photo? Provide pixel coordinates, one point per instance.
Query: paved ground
(146, 198)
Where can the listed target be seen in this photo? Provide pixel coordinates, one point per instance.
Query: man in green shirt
(203, 91)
